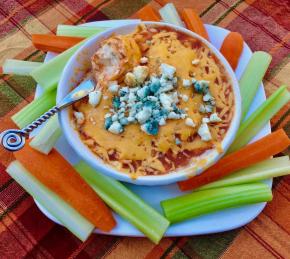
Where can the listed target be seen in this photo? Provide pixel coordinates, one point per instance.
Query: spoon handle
(44, 117)
(14, 139)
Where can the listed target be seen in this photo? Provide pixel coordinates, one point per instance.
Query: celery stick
(19, 67)
(89, 30)
(78, 31)
(35, 109)
(261, 171)
(64, 213)
(125, 203)
(48, 74)
(46, 138)
(207, 201)
(256, 121)
(169, 14)
(252, 78)
(113, 23)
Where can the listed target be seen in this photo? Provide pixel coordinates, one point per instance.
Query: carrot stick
(147, 13)
(60, 177)
(193, 22)
(47, 42)
(232, 48)
(253, 153)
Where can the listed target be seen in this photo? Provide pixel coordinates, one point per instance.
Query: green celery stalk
(252, 78)
(64, 213)
(78, 31)
(169, 14)
(34, 109)
(207, 201)
(125, 203)
(48, 74)
(256, 121)
(19, 67)
(267, 169)
(46, 138)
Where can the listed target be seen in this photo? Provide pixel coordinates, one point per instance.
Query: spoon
(14, 139)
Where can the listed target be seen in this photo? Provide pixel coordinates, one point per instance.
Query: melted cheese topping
(133, 144)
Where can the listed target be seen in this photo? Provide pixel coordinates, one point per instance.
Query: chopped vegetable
(89, 30)
(49, 42)
(207, 201)
(169, 14)
(125, 203)
(252, 78)
(113, 23)
(232, 48)
(57, 207)
(46, 138)
(267, 169)
(60, 177)
(147, 13)
(258, 151)
(257, 120)
(34, 109)
(193, 22)
(78, 31)
(48, 74)
(19, 67)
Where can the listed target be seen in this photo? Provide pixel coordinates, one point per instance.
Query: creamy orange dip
(179, 141)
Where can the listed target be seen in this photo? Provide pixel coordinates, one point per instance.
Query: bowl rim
(180, 174)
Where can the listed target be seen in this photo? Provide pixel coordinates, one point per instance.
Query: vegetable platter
(215, 201)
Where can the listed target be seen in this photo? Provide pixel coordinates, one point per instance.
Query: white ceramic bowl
(74, 72)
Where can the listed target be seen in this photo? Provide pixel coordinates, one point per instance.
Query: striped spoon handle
(14, 139)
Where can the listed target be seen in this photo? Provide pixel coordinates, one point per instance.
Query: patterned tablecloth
(26, 232)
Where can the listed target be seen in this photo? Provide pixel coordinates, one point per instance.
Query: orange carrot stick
(193, 22)
(47, 42)
(60, 177)
(258, 151)
(232, 48)
(147, 13)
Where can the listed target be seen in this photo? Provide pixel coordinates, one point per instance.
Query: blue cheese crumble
(206, 108)
(113, 86)
(80, 118)
(214, 118)
(167, 71)
(147, 102)
(204, 132)
(95, 98)
(186, 83)
(189, 122)
(116, 127)
(150, 101)
(177, 141)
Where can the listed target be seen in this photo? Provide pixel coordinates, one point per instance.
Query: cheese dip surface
(163, 99)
